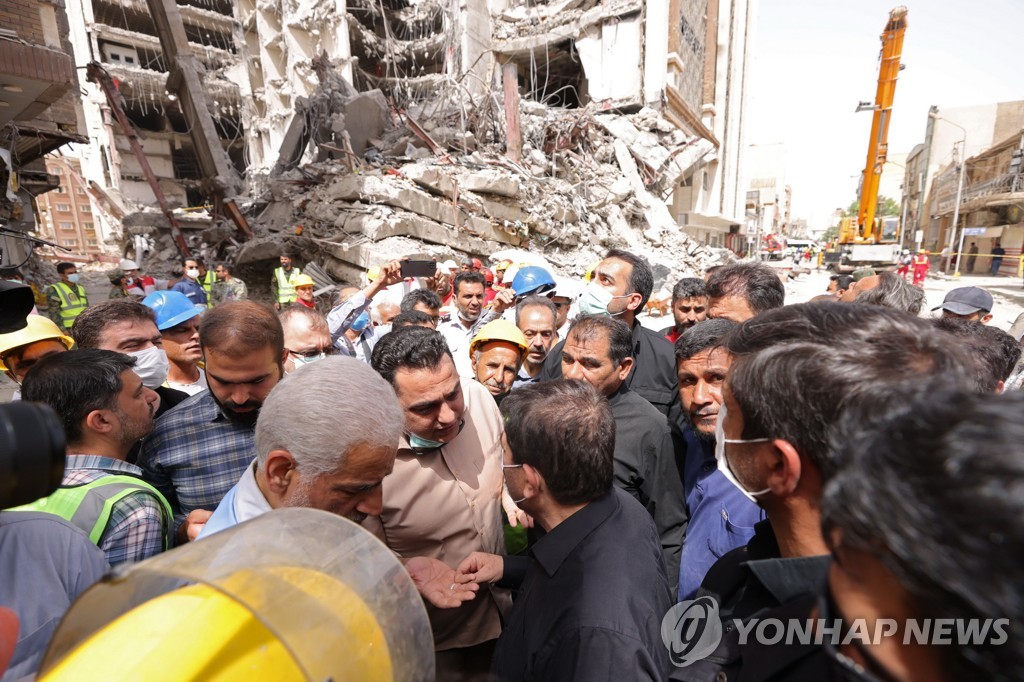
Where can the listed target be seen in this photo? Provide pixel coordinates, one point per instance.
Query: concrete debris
(435, 181)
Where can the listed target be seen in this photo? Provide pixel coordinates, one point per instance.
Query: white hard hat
(128, 264)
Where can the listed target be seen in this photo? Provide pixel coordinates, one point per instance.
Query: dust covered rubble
(588, 181)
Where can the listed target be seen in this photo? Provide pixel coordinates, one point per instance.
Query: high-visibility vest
(208, 280)
(285, 288)
(89, 506)
(72, 302)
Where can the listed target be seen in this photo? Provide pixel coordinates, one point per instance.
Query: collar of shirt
(553, 549)
(619, 395)
(79, 462)
(785, 578)
(249, 499)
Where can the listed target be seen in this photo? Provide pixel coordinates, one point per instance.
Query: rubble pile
(438, 182)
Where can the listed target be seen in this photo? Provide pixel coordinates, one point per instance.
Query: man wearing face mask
(444, 498)
(189, 285)
(795, 371)
(721, 517)
(306, 337)
(129, 327)
(199, 450)
(620, 287)
(65, 299)
(177, 318)
(349, 320)
(105, 410)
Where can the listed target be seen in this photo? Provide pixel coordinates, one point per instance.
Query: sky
(813, 60)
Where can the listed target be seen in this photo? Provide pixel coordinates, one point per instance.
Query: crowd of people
(554, 475)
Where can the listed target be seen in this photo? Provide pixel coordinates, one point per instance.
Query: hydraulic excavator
(866, 239)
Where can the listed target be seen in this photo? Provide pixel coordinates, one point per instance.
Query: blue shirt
(192, 290)
(722, 518)
(196, 454)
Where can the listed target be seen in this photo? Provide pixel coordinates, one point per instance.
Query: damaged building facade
(38, 111)
(368, 130)
(121, 37)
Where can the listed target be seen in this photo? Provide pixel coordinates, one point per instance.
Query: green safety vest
(89, 506)
(208, 281)
(285, 288)
(72, 302)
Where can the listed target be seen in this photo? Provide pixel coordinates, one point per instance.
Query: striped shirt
(196, 454)
(136, 529)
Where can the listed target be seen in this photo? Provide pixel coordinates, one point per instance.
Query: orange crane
(865, 229)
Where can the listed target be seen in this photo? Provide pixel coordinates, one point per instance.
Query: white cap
(567, 288)
(128, 264)
(448, 266)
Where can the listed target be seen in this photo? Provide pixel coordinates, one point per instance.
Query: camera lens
(31, 453)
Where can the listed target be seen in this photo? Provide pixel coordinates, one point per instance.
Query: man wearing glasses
(306, 337)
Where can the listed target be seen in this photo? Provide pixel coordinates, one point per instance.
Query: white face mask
(192, 274)
(151, 365)
(595, 301)
(723, 463)
(74, 278)
(300, 361)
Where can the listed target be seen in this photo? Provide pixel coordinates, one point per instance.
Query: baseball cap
(966, 301)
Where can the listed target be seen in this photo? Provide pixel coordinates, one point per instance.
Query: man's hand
(193, 525)
(503, 300)
(480, 567)
(516, 516)
(436, 582)
(391, 273)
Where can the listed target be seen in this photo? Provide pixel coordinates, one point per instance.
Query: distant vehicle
(800, 245)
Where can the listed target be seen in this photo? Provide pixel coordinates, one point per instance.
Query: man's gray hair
(317, 321)
(321, 411)
(894, 292)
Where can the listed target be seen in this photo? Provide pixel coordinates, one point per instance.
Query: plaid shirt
(195, 454)
(136, 528)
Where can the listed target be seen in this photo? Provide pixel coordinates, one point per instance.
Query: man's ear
(625, 367)
(280, 470)
(533, 482)
(986, 318)
(786, 468)
(634, 302)
(99, 421)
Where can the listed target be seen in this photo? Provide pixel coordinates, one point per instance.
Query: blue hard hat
(532, 280)
(171, 308)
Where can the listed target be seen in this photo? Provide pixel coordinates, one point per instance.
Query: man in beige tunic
(444, 498)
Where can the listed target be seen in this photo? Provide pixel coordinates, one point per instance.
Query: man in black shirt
(795, 371)
(597, 351)
(621, 285)
(593, 591)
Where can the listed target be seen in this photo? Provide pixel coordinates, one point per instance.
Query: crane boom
(888, 70)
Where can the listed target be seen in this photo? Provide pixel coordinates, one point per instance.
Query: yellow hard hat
(37, 328)
(499, 330)
(373, 274)
(304, 281)
(589, 275)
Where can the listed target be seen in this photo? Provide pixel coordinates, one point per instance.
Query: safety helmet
(499, 330)
(303, 281)
(488, 275)
(503, 265)
(127, 264)
(171, 308)
(532, 279)
(475, 263)
(373, 274)
(589, 274)
(37, 328)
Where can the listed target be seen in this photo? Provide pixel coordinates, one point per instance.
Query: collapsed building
(371, 130)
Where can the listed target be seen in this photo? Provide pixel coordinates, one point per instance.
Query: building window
(85, 208)
(67, 226)
(92, 242)
(81, 191)
(88, 227)
(64, 207)
(69, 242)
